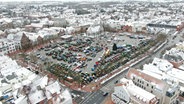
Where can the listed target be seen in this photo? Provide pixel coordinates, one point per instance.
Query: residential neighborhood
(92, 52)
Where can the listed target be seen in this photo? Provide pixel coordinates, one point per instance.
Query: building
(2, 34)
(180, 27)
(8, 46)
(127, 28)
(175, 55)
(170, 75)
(94, 30)
(5, 23)
(165, 93)
(19, 85)
(126, 92)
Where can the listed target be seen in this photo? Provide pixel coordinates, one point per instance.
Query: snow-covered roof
(52, 88)
(16, 78)
(67, 98)
(66, 36)
(1, 32)
(21, 100)
(37, 25)
(162, 64)
(14, 30)
(136, 92)
(7, 20)
(151, 73)
(36, 97)
(94, 29)
(32, 36)
(176, 73)
(42, 82)
(70, 30)
(136, 73)
(175, 54)
(181, 67)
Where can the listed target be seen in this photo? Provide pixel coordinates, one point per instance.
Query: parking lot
(82, 54)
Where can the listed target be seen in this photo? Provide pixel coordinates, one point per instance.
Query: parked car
(105, 93)
(116, 82)
(46, 49)
(54, 56)
(89, 59)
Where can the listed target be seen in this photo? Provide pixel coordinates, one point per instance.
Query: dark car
(105, 93)
(116, 82)
(54, 56)
(89, 59)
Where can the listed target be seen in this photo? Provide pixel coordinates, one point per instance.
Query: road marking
(87, 98)
(105, 88)
(100, 98)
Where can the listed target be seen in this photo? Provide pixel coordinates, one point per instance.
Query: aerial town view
(92, 52)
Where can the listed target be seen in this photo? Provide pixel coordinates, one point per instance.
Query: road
(92, 98)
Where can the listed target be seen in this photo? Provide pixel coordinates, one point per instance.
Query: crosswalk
(91, 97)
(106, 89)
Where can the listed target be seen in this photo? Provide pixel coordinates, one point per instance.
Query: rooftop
(159, 83)
(16, 81)
(136, 93)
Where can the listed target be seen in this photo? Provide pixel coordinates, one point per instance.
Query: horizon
(87, 0)
(58, 0)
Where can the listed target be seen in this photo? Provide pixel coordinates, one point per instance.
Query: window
(151, 91)
(147, 84)
(152, 87)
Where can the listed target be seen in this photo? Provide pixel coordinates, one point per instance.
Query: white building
(165, 93)
(169, 74)
(176, 55)
(114, 24)
(8, 46)
(128, 93)
(163, 65)
(18, 85)
(94, 30)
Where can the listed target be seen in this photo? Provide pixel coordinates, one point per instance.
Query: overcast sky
(50, 0)
(58, 0)
(87, 0)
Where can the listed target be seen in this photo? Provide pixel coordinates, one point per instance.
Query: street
(94, 98)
